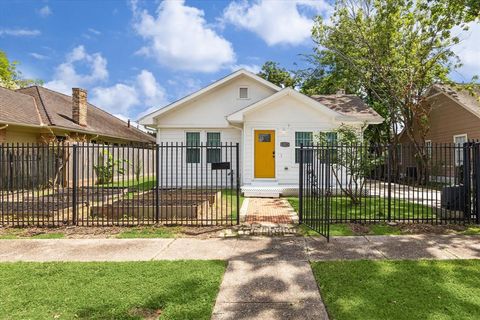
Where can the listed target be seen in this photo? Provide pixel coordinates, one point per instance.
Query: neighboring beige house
(268, 123)
(454, 118)
(39, 115)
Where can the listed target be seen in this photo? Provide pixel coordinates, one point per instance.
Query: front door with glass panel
(264, 154)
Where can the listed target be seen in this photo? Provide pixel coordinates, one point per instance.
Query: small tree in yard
(107, 167)
(351, 162)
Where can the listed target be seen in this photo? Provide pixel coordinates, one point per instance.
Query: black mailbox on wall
(220, 165)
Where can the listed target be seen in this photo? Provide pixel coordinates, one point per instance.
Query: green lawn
(351, 229)
(372, 208)
(108, 290)
(19, 233)
(230, 196)
(407, 290)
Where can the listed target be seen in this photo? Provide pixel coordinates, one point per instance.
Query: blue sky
(134, 56)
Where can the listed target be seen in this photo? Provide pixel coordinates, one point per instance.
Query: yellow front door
(264, 154)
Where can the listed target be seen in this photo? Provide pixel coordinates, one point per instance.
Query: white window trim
(457, 161)
(297, 164)
(248, 93)
(429, 148)
(460, 136)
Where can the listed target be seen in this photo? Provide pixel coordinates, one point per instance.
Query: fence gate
(315, 188)
(471, 179)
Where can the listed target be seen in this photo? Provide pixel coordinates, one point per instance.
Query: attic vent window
(243, 93)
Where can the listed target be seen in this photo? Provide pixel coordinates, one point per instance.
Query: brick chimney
(79, 106)
(340, 92)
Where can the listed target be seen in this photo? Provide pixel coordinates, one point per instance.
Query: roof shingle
(347, 104)
(55, 109)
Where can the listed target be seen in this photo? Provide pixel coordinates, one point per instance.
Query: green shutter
(193, 154)
(213, 154)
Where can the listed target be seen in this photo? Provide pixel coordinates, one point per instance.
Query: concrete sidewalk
(247, 248)
(266, 278)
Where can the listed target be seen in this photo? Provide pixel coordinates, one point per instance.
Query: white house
(267, 121)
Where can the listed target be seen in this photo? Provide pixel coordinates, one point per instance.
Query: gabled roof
(343, 115)
(464, 98)
(39, 106)
(18, 108)
(349, 104)
(148, 119)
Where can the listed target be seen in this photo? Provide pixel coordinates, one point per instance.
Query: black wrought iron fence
(101, 185)
(434, 183)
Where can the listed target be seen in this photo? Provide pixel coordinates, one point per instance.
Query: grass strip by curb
(109, 290)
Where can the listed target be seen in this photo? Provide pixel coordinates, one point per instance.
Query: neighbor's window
(305, 138)
(214, 152)
(428, 148)
(193, 154)
(459, 141)
(243, 93)
(399, 153)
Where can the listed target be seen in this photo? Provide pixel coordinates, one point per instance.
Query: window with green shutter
(331, 138)
(328, 138)
(305, 138)
(214, 154)
(193, 154)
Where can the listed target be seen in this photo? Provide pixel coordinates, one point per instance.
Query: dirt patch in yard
(144, 313)
(71, 232)
(428, 228)
(404, 228)
(358, 228)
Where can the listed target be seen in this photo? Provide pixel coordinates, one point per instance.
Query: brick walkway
(276, 210)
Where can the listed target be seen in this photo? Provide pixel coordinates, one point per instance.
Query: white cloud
(38, 56)
(276, 22)
(254, 68)
(151, 89)
(20, 32)
(468, 51)
(66, 75)
(45, 11)
(179, 38)
(117, 98)
(126, 98)
(94, 31)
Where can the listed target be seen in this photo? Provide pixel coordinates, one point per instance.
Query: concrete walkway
(266, 278)
(244, 248)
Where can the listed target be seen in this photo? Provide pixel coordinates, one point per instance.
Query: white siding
(210, 110)
(177, 172)
(285, 116)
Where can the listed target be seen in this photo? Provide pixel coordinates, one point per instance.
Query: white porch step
(261, 194)
(267, 191)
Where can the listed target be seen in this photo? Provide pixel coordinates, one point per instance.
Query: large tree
(390, 52)
(272, 72)
(10, 76)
